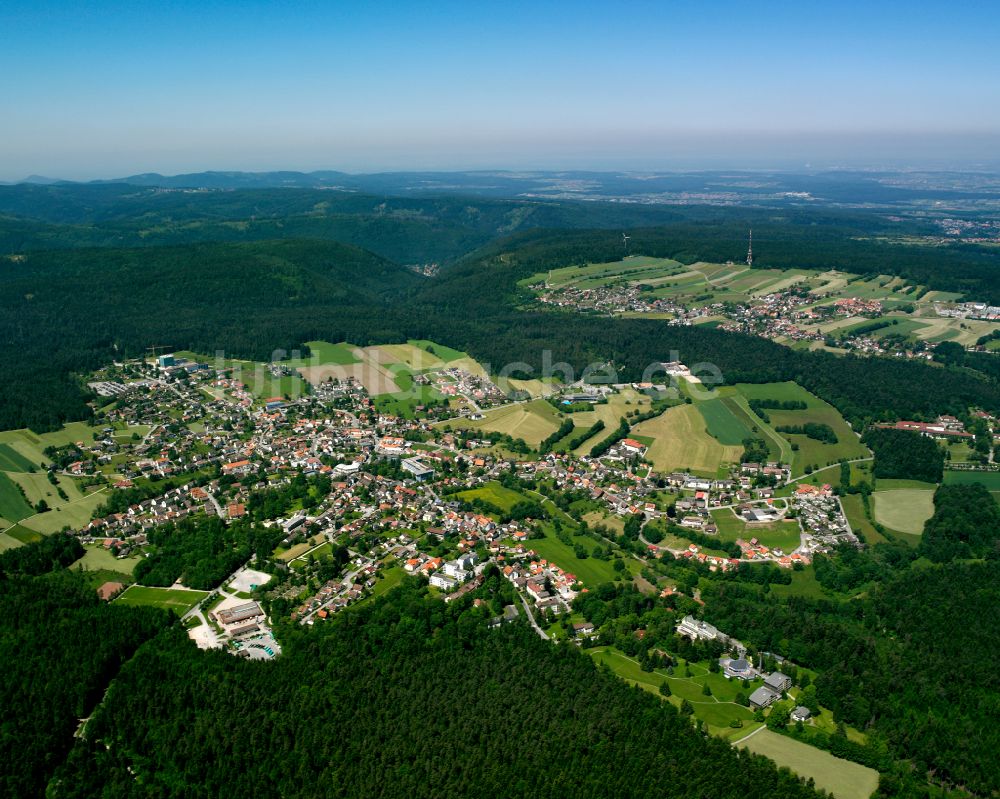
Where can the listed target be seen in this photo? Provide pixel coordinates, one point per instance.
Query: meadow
(590, 571)
(904, 509)
(842, 778)
(784, 535)
(493, 493)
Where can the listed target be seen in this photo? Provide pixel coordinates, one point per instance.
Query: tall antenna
(625, 238)
(750, 250)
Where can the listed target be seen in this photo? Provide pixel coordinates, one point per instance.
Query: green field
(842, 778)
(721, 421)
(591, 571)
(904, 509)
(13, 506)
(784, 535)
(989, 479)
(810, 451)
(13, 461)
(854, 509)
(494, 494)
(716, 710)
(445, 354)
(324, 352)
(97, 558)
(178, 600)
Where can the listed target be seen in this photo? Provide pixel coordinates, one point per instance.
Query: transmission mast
(750, 249)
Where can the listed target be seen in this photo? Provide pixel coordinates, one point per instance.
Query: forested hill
(404, 698)
(66, 312)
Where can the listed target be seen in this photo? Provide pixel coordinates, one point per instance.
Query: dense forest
(250, 300)
(905, 455)
(904, 662)
(62, 647)
(405, 697)
(965, 524)
(203, 550)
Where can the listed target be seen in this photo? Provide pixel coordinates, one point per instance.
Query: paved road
(541, 633)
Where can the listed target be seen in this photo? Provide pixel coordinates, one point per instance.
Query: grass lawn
(904, 509)
(682, 441)
(591, 571)
(717, 710)
(13, 505)
(74, 514)
(179, 600)
(495, 494)
(783, 535)
(326, 352)
(842, 778)
(97, 557)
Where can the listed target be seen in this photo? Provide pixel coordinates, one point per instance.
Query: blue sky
(104, 89)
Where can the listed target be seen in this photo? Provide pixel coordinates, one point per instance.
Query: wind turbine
(625, 238)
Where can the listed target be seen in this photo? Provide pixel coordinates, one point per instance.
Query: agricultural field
(635, 268)
(13, 506)
(495, 494)
(681, 441)
(178, 600)
(783, 535)
(721, 422)
(809, 452)
(904, 509)
(842, 778)
(989, 479)
(854, 510)
(13, 461)
(532, 421)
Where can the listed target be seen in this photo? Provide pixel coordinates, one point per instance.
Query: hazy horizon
(114, 89)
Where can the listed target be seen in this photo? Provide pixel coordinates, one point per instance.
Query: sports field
(179, 600)
(681, 441)
(532, 421)
(842, 778)
(904, 509)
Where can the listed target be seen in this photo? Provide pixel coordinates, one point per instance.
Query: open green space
(842, 778)
(446, 354)
(808, 451)
(783, 535)
(989, 479)
(721, 422)
(493, 493)
(97, 557)
(904, 509)
(13, 505)
(590, 571)
(323, 352)
(531, 421)
(178, 600)
(854, 510)
(13, 461)
(681, 441)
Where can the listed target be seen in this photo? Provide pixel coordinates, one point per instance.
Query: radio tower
(750, 250)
